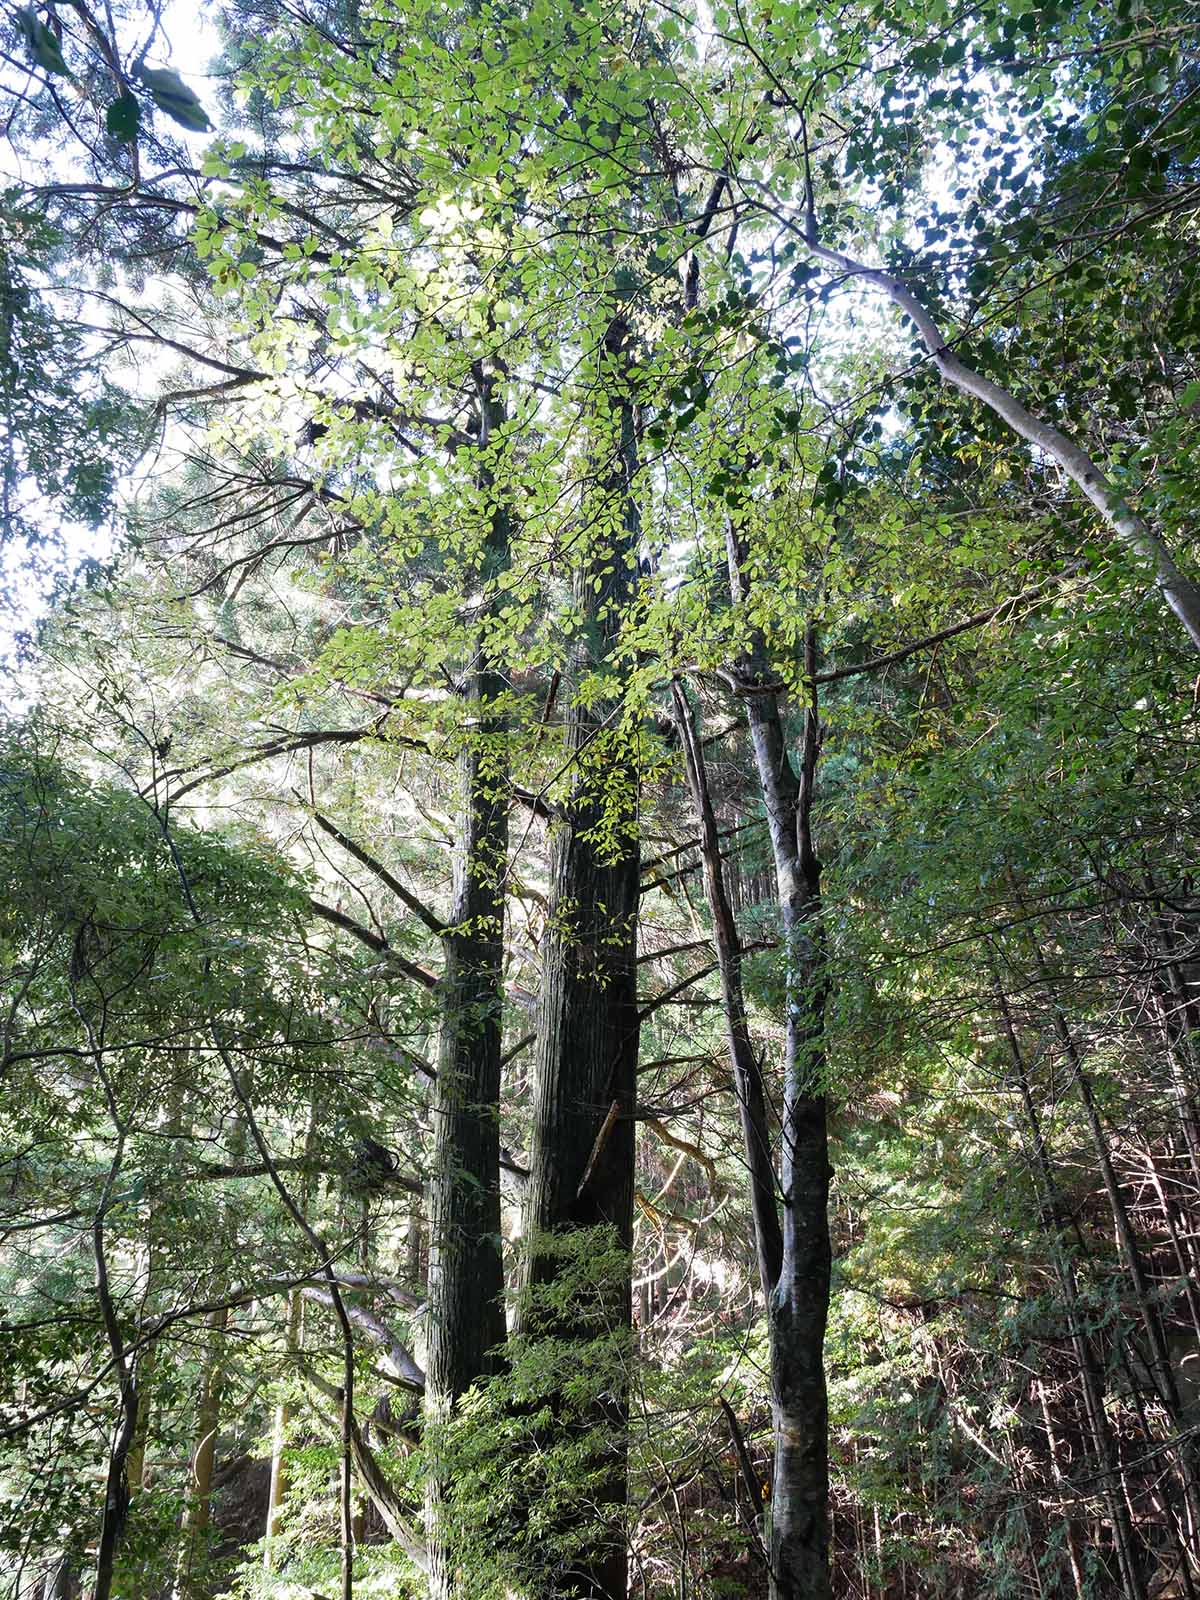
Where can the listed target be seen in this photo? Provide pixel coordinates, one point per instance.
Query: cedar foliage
(507, 424)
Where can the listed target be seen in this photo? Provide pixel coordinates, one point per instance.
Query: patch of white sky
(187, 41)
(852, 335)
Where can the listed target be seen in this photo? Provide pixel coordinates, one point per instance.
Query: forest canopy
(599, 929)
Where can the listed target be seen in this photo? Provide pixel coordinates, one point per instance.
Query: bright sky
(187, 41)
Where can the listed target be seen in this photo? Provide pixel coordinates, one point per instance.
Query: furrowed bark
(466, 1271)
(581, 1156)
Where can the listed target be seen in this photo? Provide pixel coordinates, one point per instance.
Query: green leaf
(625, 283)
(172, 95)
(41, 43)
(123, 118)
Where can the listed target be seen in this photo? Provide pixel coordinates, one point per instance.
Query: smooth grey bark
(747, 1074)
(581, 1151)
(1180, 592)
(798, 1305)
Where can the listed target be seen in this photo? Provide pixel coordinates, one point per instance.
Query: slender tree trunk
(1159, 1361)
(747, 1074)
(293, 1339)
(1180, 1013)
(581, 1155)
(1180, 591)
(798, 1308)
(466, 1270)
(1090, 1376)
(1025, 1496)
(277, 1492)
(116, 1487)
(60, 1582)
(414, 1251)
(1176, 1225)
(197, 1513)
(1055, 1454)
(135, 1463)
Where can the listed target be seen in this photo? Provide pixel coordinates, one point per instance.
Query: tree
(529, 393)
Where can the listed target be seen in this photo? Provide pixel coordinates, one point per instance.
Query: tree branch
(373, 941)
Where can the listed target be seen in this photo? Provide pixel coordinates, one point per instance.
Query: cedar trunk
(582, 1139)
(466, 1270)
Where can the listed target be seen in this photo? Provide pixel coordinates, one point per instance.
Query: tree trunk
(798, 1308)
(582, 1147)
(1091, 1379)
(293, 1339)
(283, 1416)
(1054, 1453)
(116, 1487)
(1159, 1361)
(581, 1156)
(466, 1270)
(1158, 1358)
(135, 1462)
(147, 1361)
(197, 1513)
(747, 1074)
(60, 1582)
(1181, 1023)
